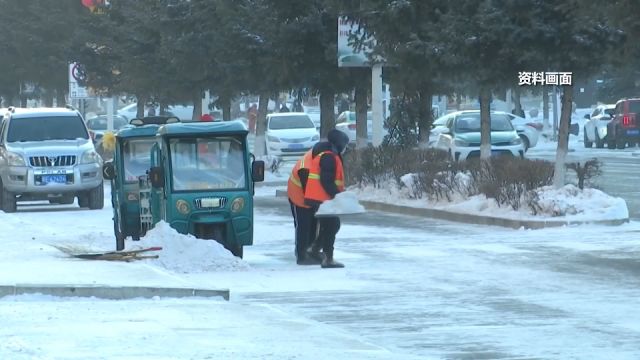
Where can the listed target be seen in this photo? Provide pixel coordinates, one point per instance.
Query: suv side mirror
(156, 176)
(257, 171)
(587, 117)
(108, 171)
(605, 117)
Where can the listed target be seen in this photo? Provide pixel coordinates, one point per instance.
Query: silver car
(47, 154)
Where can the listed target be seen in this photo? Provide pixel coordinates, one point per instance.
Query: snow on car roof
(51, 111)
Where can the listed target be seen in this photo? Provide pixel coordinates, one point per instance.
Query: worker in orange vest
(326, 179)
(303, 215)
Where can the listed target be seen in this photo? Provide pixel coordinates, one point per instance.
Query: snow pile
(572, 202)
(187, 254)
(344, 203)
(567, 203)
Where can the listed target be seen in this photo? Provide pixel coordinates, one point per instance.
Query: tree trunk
(61, 100)
(362, 135)
(485, 124)
(563, 137)
(517, 105)
(225, 103)
(259, 146)
(327, 117)
(140, 106)
(47, 98)
(545, 107)
(197, 106)
(425, 117)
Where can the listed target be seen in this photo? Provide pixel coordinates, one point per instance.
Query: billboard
(348, 56)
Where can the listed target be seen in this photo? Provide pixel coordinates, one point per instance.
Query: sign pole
(110, 114)
(376, 104)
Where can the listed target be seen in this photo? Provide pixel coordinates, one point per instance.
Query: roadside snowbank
(565, 204)
(187, 254)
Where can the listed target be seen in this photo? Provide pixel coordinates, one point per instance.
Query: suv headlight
(516, 141)
(272, 138)
(14, 159)
(459, 142)
(90, 157)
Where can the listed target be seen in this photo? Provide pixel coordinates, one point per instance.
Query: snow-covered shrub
(586, 172)
(555, 202)
(507, 179)
(271, 163)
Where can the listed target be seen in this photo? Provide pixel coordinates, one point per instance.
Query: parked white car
(314, 114)
(184, 113)
(528, 131)
(460, 137)
(290, 134)
(595, 128)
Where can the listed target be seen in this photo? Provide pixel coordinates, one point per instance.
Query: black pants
(306, 227)
(329, 227)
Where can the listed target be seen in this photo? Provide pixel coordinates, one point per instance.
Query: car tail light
(352, 126)
(537, 126)
(626, 120)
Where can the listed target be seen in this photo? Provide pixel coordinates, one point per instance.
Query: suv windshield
(137, 158)
(291, 122)
(46, 128)
(205, 163)
(471, 123)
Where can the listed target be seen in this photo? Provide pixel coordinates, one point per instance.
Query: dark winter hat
(339, 139)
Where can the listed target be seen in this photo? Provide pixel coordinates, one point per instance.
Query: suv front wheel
(7, 200)
(93, 199)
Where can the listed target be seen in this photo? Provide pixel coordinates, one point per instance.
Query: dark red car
(624, 127)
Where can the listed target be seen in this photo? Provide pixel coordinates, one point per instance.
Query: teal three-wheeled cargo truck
(200, 180)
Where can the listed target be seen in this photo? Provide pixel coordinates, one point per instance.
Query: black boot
(329, 263)
(313, 252)
(307, 261)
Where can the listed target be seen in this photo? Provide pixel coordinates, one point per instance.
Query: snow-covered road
(412, 288)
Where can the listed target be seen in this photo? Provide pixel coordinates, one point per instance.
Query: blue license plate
(296, 146)
(59, 179)
(633, 132)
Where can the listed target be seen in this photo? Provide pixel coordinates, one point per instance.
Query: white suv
(47, 154)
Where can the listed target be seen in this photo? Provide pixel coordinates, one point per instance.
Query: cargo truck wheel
(119, 236)
(95, 198)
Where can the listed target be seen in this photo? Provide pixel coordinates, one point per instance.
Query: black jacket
(328, 167)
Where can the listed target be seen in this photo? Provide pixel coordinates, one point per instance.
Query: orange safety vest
(314, 189)
(294, 185)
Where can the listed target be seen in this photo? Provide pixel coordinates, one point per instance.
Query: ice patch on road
(344, 203)
(187, 254)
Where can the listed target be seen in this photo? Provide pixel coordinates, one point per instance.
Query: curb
(481, 219)
(272, 183)
(108, 292)
(475, 219)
